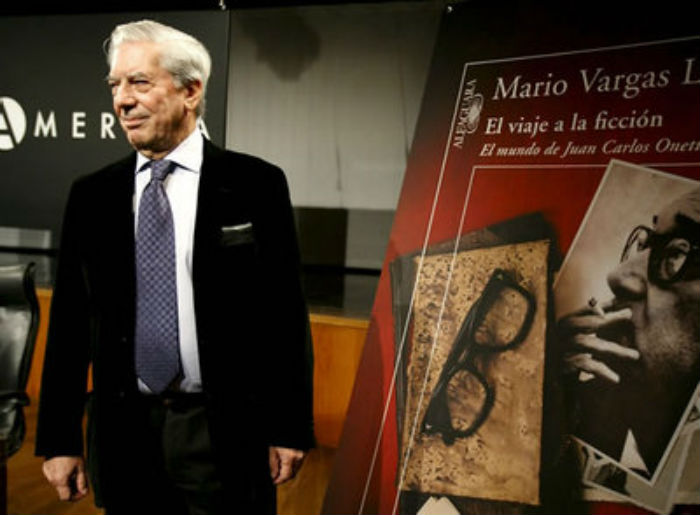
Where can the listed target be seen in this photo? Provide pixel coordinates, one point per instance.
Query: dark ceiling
(106, 6)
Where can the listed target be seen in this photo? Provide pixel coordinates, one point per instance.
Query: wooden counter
(44, 297)
(338, 343)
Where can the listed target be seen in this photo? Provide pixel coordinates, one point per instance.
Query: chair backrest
(19, 321)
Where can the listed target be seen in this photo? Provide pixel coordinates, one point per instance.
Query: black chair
(19, 321)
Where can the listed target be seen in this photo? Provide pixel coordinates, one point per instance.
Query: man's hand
(284, 463)
(67, 475)
(585, 351)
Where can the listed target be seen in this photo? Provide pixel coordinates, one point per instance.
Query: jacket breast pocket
(237, 245)
(236, 235)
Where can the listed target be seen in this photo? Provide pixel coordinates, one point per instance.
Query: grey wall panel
(331, 94)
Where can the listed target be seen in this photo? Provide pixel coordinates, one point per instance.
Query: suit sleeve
(290, 385)
(64, 377)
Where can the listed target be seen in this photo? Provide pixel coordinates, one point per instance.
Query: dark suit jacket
(252, 323)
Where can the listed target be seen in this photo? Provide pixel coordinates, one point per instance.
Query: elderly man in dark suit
(178, 282)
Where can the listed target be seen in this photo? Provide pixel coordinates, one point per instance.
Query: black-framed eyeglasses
(671, 257)
(498, 321)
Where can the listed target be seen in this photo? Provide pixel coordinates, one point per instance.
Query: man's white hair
(185, 57)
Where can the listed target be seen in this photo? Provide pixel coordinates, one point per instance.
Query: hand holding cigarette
(586, 351)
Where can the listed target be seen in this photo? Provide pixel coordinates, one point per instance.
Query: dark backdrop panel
(53, 67)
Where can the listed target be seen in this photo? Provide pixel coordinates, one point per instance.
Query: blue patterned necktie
(157, 340)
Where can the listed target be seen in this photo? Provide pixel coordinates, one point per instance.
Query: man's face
(155, 115)
(666, 324)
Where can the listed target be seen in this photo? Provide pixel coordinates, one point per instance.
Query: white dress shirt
(181, 187)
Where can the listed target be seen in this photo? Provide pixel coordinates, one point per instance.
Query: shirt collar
(187, 155)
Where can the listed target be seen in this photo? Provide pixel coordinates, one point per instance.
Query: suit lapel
(120, 210)
(221, 201)
(204, 232)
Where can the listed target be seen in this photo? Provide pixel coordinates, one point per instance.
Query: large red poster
(516, 357)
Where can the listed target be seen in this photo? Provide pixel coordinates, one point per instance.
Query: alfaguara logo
(15, 124)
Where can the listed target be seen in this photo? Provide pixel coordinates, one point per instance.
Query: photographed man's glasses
(671, 257)
(498, 321)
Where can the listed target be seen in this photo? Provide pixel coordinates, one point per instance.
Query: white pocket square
(239, 227)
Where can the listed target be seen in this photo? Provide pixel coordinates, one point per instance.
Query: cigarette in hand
(595, 306)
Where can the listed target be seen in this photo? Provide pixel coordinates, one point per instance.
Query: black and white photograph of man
(627, 301)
